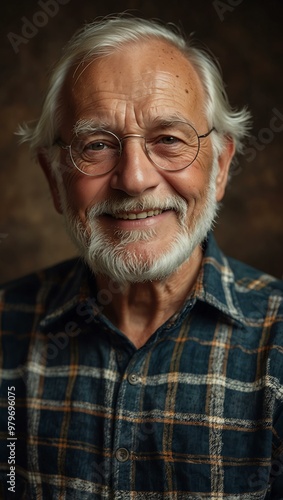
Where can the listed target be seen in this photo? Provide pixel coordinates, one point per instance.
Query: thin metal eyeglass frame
(120, 140)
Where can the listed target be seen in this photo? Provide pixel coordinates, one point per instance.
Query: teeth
(140, 215)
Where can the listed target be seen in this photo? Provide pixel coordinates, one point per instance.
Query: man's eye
(169, 139)
(95, 146)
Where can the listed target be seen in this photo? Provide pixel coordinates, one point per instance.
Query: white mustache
(114, 207)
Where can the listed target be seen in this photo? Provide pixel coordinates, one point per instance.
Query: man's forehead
(147, 75)
(149, 63)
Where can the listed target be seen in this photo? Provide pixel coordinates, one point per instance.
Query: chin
(134, 263)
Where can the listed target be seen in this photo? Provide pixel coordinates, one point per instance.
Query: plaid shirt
(196, 413)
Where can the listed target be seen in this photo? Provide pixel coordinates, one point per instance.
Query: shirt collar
(214, 286)
(68, 292)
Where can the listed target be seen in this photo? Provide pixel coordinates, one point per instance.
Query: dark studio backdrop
(246, 37)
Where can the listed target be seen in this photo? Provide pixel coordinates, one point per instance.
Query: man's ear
(224, 162)
(53, 184)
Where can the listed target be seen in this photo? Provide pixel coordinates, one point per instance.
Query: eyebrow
(89, 125)
(167, 121)
(86, 126)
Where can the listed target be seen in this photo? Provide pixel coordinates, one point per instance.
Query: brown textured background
(249, 45)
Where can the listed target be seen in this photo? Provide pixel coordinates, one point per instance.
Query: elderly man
(152, 367)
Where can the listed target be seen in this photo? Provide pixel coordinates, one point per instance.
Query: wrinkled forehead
(136, 73)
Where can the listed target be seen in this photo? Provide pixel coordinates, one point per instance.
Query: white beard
(112, 259)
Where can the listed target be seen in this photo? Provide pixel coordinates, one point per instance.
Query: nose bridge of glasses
(133, 136)
(128, 136)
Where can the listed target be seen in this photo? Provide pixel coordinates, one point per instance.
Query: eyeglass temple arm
(207, 133)
(61, 144)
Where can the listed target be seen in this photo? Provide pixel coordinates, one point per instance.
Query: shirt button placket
(122, 454)
(124, 438)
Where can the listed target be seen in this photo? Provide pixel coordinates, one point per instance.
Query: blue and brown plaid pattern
(196, 413)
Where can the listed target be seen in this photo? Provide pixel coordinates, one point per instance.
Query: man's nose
(135, 173)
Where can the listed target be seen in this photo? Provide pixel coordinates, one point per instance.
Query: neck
(140, 308)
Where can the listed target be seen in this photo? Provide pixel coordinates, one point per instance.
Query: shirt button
(134, 378)
(122, 454)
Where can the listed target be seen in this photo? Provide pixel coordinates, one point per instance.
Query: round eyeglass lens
(175, 148)
(96, 153)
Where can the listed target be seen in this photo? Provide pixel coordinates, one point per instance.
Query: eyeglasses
(171, 148)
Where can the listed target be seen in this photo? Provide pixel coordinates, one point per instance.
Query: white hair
(104, 37)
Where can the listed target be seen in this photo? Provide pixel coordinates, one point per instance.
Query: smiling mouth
(137, 215)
